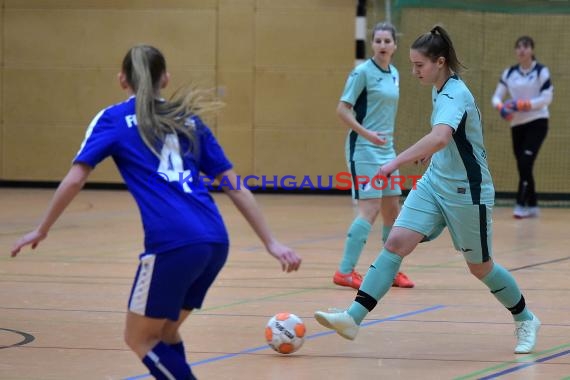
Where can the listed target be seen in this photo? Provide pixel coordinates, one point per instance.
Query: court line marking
(310, 337)
(523, 366)
(522, 363)
(27, 338)
(247, 300)
(420, 268)
(540, 263)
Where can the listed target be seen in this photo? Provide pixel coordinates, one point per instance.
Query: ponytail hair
(437, 43)
(144, 68)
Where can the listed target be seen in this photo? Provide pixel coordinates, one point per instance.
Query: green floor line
(253, 299)
(524, 359)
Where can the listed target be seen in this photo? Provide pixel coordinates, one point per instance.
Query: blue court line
(313, 336)
(523, 366)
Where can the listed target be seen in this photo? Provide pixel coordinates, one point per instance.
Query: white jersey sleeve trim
(89, 131)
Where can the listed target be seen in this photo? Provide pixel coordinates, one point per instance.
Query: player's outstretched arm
(66, 191)
(248, 207)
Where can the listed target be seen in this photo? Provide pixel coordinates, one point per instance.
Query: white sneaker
(526, 335)
(520, 212)
(339, 321)
(533, 212)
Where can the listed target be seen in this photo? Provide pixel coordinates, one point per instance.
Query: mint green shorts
(366, 185)
(470, 226)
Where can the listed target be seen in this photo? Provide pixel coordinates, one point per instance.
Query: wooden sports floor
(62, 306)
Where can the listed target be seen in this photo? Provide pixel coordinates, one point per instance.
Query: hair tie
(433, 31)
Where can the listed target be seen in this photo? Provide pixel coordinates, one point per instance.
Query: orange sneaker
(352, 279)
(402, 281)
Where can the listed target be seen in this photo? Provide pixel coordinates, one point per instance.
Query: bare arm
(436, 140)
(245, 202)
(344, 112)
(66, 191)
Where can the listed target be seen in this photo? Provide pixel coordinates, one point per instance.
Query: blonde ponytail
(144, 67)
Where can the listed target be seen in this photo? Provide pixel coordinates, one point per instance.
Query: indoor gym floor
(63, 305)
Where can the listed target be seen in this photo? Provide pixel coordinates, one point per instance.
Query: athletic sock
(164, 363)
(376, 283)
(355, 241)
(504, 287)
(179, 347)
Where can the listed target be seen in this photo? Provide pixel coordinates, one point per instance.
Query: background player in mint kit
(368, 107)
(456, 191)
(186, 242)
(530, 90)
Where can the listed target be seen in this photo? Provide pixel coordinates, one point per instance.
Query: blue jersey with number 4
(176, 208)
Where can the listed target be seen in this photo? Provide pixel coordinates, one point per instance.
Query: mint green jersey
(459, 172)
(373, 94)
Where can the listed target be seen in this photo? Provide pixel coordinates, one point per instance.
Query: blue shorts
(367, 185)
(470, 226)
(179, 279)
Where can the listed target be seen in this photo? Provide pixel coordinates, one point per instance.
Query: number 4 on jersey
(171, 165)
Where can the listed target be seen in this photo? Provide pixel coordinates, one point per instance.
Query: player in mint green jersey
(455, 192)
(368, 107)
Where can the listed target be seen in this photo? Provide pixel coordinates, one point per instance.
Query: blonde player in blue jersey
(455, 192)
(368, 107)
(161, 147)
(530, 92)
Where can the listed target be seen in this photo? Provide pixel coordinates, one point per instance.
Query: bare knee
(170, 331)
(402, 241)
(141, 333)
(480, 270)
(129, 339)
(394, 244)
(140, 341)
(170, 335)
(369, 209)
